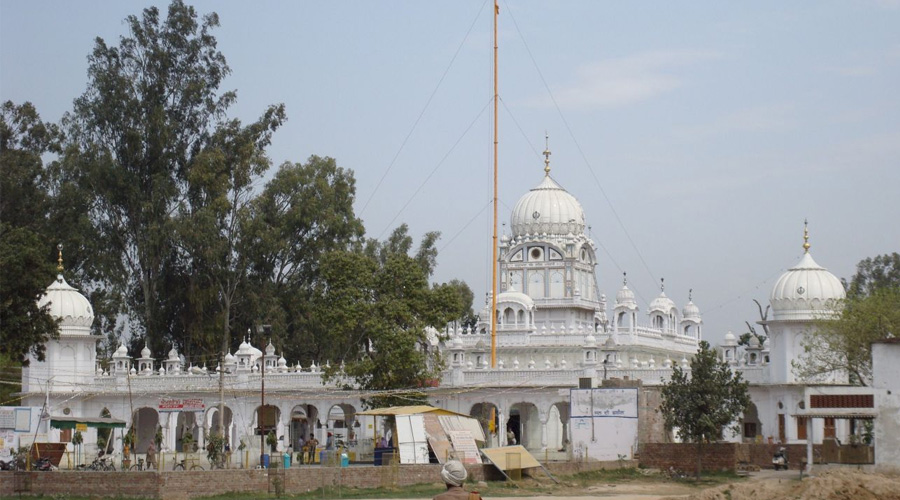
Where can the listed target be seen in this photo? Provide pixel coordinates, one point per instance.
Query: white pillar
(543, 435)
(809, 445)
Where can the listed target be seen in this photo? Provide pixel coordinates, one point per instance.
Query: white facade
(554, 327)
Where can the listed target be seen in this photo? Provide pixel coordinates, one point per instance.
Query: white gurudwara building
(555, 330)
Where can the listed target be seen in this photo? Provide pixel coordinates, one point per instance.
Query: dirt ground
(763, 485)
(831, 485)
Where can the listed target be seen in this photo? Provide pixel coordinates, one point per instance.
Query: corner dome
(806, 291)
(547, 209)
(513, 295)
(69, 306)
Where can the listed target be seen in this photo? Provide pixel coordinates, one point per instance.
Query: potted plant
(187, 442)
(127, 443)
(272, 441)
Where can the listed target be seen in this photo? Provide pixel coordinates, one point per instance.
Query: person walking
(454, 474)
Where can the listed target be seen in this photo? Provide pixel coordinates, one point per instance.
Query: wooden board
(498, 456)
(437, 438)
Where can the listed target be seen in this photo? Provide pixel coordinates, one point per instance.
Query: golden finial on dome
(59, 266)
(806, 244)
(546, 153)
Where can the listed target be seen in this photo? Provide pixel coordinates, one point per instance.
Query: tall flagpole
(494, 239)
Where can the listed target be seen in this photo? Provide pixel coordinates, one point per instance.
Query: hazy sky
(697, 135)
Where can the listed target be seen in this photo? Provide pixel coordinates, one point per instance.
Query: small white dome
(229, 358)
(547, 209)
(730, 340)
(691, 311)
(590, 340)
(625, 297)
(662, 304)
(806, 291)
(121, 352)
(173, 355)
(70, 307)
(145, 352)
(753, 342)
(270, 349)
(513, 295)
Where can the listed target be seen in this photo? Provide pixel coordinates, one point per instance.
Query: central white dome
(806, 291)
(547, 209)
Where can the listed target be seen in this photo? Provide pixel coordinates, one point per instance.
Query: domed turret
(662, 303)
(548, 209)
(806, 291)
(625, 297)
(70, 307)
(691, 311)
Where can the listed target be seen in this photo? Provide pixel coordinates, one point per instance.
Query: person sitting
(454, 474)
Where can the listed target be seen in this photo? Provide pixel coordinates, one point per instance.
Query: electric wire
(578, 146)
(422, 113)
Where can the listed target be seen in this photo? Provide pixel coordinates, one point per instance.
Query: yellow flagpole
(494, 239)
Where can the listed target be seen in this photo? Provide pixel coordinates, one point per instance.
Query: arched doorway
(525, 423)
(341, 418)
(187, 430)
(489, 418)
(212, 421)
(303, 423)
(144, 422)
(752, 426)
(558, 427)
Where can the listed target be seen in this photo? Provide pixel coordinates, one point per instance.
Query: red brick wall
(717, 456)
(188, 484)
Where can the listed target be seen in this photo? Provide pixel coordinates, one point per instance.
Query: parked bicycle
(139, 466)
(101, 463)
(184, 466)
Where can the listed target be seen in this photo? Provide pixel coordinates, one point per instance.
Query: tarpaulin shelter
(448, 434)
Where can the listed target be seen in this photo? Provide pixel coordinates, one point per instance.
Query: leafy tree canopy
(704, 401)
(378, 306)
(25, 269)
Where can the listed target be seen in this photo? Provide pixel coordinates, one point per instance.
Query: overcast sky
(697, 135)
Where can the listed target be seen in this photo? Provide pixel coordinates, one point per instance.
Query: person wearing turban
(454, 475)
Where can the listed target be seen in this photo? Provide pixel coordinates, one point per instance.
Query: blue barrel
(265, 460)
(287, 460)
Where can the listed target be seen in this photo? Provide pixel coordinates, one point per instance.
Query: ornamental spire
(806, 244)
(546, 153)
(59, 261)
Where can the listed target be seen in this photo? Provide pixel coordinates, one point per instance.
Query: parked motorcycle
(780, 460)
(42, 464)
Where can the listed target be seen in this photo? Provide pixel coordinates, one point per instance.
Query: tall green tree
(376, 305)
(303, 213)
(870, 312)
(151, 107)
(25, 266)
(704, 401)
(214, 220)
